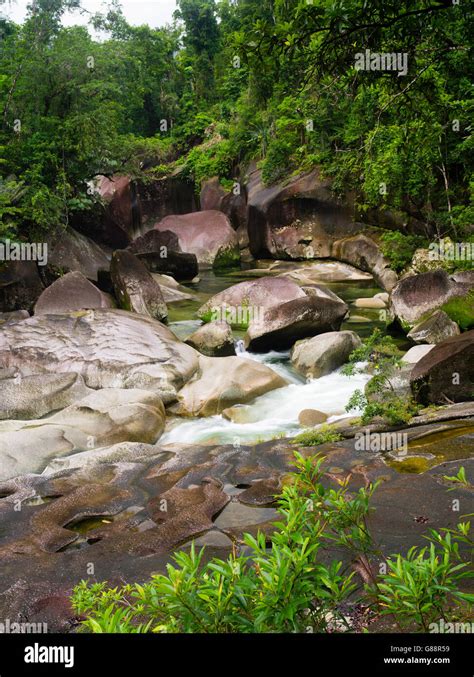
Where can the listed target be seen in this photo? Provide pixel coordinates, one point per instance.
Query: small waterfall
(240, 347)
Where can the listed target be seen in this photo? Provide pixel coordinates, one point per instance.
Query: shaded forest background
(231, 82)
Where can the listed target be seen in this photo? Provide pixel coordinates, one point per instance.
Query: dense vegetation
(284, 584)
(272, 81)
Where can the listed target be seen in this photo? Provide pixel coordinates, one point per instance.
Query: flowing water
(275, 413)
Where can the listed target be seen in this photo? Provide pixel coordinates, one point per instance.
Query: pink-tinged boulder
(240, 304)
(71, 292)
(233, 205)
(208, 235)
(135, 288)
(446, 373)
(122, 219)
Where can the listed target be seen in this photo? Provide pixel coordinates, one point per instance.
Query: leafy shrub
(321, 435)
(284, 584)
(398, 248)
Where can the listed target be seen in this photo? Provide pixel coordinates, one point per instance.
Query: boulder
(373, 302)
(243, 302)
(100, 419)
(417, 295)
(234, 206)
(221, 383)
(438, 327)
(171, 290)
(173, 194)
(20, 286)
(308, 418)
(208, 235)
(70, 251)
(282, 325)
(161, 252)
(295, 219)
(416, 353)
(71, 292)
(110, 348)
(135, 288)
(364, 253)
(214, 339)
(27, 397)
(323, 354)
(122, 218)
(324, 271)
(446, 373)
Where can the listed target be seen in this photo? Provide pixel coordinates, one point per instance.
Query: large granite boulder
(446, 373)
(20, 286)
(416, 296)
(101, 419)
(161, 252)
(214, 339)
(110, 348)
(208, 235)
(242, 303)
(27, 397)
(70, 251)
(295, 219)
(135, 288)
(71, 292)
(323, 354)
(221, 383)
(438, 327)
(284, 324)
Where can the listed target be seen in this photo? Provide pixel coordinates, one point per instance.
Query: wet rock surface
(71, 292)
(126, 517)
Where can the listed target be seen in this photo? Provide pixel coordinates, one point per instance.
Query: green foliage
(398, 248)
(321, 435)
(383, 358)
(461, 310)
(418, 588)
(284, 584)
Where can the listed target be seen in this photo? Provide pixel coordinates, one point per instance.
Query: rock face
(295, 220)
(323, 354)
(215, 196)
(171, 290)
(281, 326)
(135, 288)
(28, 397)
(70, 251)
(446, 373)
(20, 286)
(71, 292)
(122, 218)
(208, 235)
(161, 252)
(438, 327)
(110, 348)
(324, 271)
(417, 295)
(219, 384)
(246, 301)
(416, 353)
(214, 340)
(103, 418)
